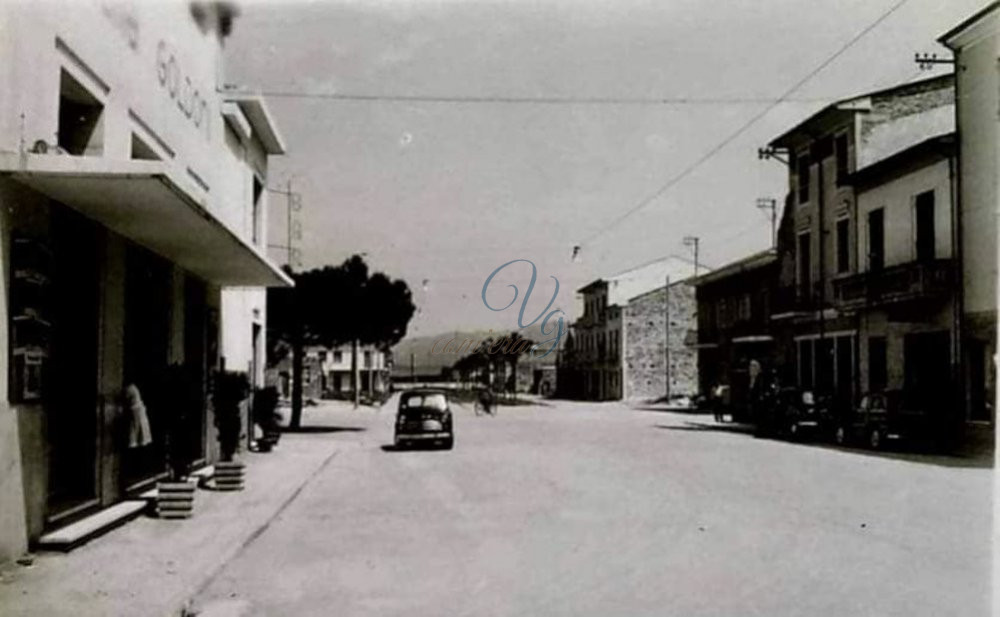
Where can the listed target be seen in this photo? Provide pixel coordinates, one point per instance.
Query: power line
(745, 126)
(523, 100)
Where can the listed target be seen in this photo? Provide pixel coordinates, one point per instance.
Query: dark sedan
(424, 416)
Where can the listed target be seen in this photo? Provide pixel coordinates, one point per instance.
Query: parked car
(881, 419)
(792, 413)
(424, 416)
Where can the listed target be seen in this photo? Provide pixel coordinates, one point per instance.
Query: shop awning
(148, 203)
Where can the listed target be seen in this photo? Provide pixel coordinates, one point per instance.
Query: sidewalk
(151, 567)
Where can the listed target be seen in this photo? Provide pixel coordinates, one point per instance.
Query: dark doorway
(845, 370)
(926, 371)
(71, 402)
(195, 356)
(978, 408)
(147, 327)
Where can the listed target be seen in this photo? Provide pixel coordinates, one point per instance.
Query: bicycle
(483, 405)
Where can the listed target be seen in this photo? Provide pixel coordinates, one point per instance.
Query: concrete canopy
(145, 202)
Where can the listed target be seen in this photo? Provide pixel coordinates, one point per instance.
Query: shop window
(141, 151)
(81, 119)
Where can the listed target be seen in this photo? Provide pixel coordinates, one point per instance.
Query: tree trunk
(297, 358)
(355, 373)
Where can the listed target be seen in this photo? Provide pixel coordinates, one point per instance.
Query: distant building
(734, 323)
(631, 340)
(326, 372)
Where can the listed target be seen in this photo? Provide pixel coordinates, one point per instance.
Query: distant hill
(426, 363)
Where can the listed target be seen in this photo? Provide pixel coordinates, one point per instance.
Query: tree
(334, 305)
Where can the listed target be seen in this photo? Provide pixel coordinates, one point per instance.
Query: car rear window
(425, 401)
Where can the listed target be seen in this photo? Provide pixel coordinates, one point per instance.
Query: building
(373, 370)
(630, 341)
(904, 296)
(834, 246)
(977, 91)
(657, 329)
(734, 323)
(131, 200)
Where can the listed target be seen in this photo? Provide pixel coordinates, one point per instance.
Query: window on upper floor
(338, 357)
(255, 221)
(843, 246)
(802, 164)
(841, 150)
(142, 151)
(368, 359)
(924, 222)
(81, 118)
(876, 239)
(805, 265)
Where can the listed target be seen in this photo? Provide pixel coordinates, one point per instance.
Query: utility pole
(770, 204)
(693, 241)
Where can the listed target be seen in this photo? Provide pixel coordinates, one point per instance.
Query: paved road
(595, 509)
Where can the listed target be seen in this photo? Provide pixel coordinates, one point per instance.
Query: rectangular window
(338, 357)
(877, 364)
(255, 222)
(840, 149)
(81, 119)
(803, 178)
(368, 359)
(805, 265)
(843, 245)
(924, 206)
(876, 239)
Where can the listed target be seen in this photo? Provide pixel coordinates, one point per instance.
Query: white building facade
(132, 209)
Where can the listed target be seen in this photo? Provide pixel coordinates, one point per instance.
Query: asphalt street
(598, 509)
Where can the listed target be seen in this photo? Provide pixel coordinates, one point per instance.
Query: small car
(807, 414)
(424, 416)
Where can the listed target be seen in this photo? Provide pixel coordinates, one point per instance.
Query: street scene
(403, 307)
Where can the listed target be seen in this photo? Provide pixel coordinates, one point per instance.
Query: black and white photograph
(499, 308)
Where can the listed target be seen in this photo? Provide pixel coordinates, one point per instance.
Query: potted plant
(180, 396)
(231, 389)
(265, 405)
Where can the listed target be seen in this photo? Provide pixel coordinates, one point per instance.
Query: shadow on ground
(323, 429)
(978, 460)
(389, 447)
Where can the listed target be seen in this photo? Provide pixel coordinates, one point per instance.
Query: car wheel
(875, 439)
(840, 436)
(449, 443)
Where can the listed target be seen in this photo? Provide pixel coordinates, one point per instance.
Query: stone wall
(650, 346)
(682, 357)
(645, 339)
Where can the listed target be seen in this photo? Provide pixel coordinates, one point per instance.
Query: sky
(442, 193)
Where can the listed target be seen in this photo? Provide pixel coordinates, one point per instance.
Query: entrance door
(927, 371)
(147, 323)
(71, 401)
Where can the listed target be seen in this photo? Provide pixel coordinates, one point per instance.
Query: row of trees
(492, 357)
(335, 305)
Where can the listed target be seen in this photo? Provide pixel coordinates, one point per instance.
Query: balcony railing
(902, 283)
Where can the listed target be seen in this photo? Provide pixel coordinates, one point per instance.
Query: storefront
(130, 199)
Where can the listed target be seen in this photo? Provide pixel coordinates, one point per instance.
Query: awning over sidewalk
(147, 203)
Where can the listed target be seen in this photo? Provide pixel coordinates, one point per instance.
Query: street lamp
(693, 242)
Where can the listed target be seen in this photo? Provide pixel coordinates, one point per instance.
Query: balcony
(896, 284)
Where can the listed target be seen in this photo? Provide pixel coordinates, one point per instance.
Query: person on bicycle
(486, 399)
